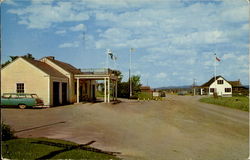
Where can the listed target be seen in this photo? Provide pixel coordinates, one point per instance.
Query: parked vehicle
(22, 100)
(182, 93)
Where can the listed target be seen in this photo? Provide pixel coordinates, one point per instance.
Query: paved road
(179, 128)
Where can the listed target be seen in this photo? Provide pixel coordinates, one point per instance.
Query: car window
(22, 96)
(34, 96)
(29, 96)
(14, 96)
(6, 95)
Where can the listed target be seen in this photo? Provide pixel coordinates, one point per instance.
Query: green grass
(241, 102)
(36, 148)
(147, 96)
(99, 94)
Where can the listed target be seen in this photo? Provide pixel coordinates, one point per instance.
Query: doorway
(64, 93)
(56, 93)
(93, 92)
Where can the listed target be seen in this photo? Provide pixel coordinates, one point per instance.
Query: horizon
(174, 41)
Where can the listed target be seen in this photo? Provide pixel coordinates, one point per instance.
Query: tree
(123, 87)
(12, 58)
(136, 85)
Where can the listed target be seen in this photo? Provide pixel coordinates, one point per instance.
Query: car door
(13, 100)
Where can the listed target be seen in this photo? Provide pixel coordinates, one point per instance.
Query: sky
(174, 40)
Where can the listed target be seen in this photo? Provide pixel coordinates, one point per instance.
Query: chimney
(51, 57)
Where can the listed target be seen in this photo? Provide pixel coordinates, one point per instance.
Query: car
(182, 93)
(22, 100)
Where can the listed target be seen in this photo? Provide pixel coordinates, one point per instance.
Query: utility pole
(129, 74)
(194, 87)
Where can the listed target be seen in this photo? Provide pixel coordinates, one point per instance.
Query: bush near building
(7, 132)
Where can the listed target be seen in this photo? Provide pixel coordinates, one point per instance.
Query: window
(227, 89)
(212, 90)
(14, 96)
(28, 96)
(220, 81)
(34, 96)
(22, 96)
(20, 88)
(6, 95)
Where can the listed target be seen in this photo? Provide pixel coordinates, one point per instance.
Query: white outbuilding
(217, 85)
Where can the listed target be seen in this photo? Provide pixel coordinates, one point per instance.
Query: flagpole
(130, 82)
(215, 89)
(107, 58)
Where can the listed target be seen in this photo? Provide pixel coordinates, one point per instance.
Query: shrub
(7, 132)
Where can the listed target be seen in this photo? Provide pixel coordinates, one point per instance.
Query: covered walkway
(109, 77)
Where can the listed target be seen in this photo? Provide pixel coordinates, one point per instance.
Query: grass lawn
(241, 103)
(147, 96)
(43, 148)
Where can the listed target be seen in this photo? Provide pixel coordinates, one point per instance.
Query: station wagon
(22, 100)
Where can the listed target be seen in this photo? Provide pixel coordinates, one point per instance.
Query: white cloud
(242, 58)
(190, 61)
(69, 45)
(40, 16)
(228, 56)
(9, 2)
(161, 75)
(60, 32)
(236, 14)
(79, 27)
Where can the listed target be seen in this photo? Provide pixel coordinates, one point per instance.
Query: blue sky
(175, 40)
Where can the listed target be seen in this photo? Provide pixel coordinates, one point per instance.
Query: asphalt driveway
(179, 128)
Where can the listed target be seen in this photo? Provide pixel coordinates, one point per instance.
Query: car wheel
(22, 106)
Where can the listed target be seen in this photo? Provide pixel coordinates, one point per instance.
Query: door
(56, 91)
(93, 93)
(80, 93)
(64, 93)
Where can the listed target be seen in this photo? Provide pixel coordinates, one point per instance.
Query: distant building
(146, 89)
(217, 85)
(238, 88)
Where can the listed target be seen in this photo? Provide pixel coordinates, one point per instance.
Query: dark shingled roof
(45, 68)
(65, 66)
(235, 83)
(207, 84)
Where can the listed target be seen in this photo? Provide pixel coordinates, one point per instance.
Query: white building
(217, 85)
(56, 82)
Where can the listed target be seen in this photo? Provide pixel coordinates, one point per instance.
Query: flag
(217, 59)
(132, 49)
(111, 55)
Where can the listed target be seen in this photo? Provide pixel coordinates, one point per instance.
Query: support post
(108, 90)
(105, 90)
(116, 90)
(77, 90)
(113, 89)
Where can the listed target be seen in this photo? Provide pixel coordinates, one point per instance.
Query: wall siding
(20, 71)
(221, 88)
